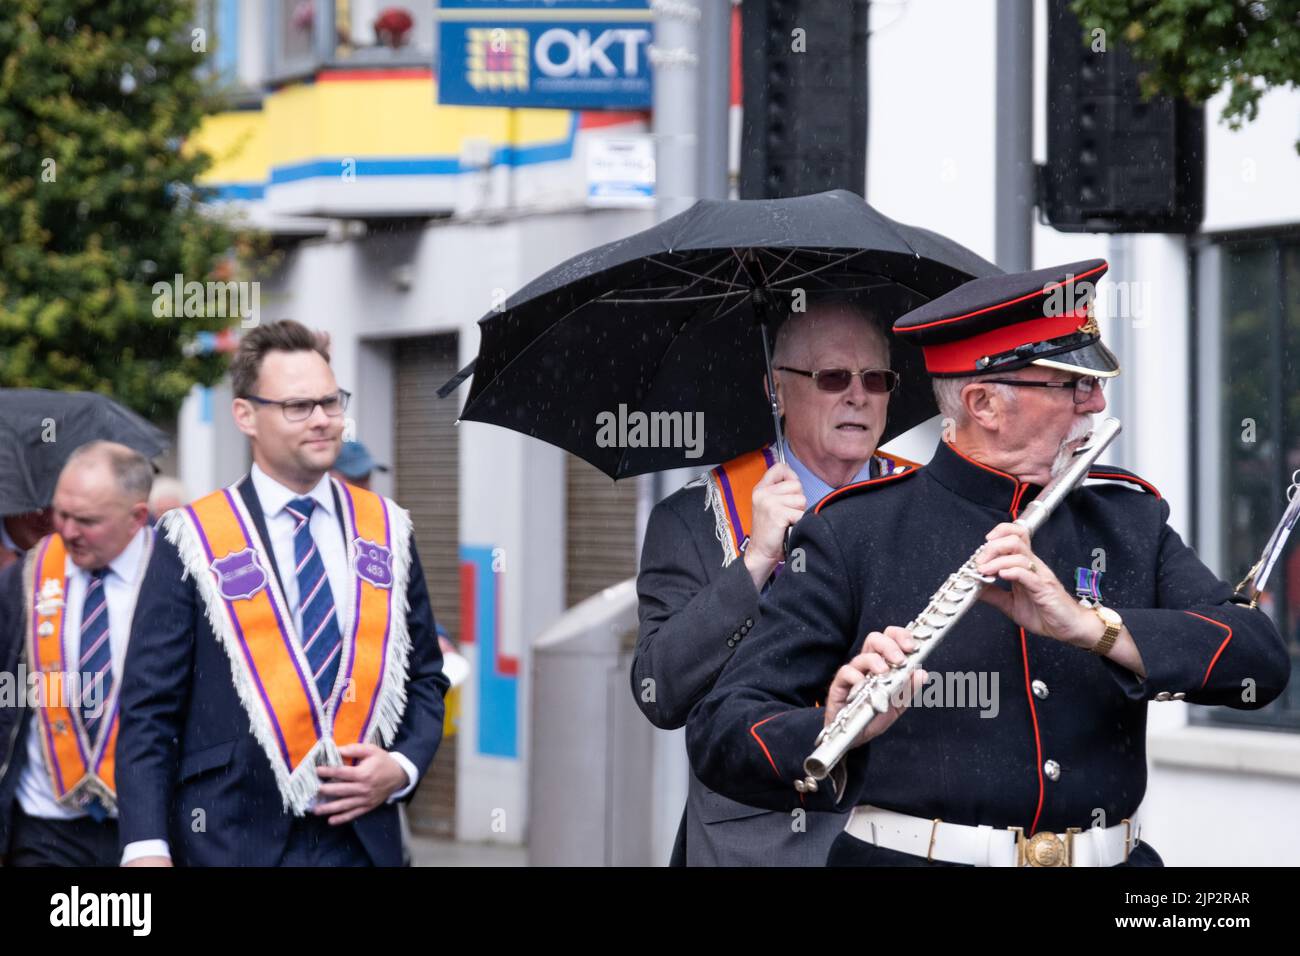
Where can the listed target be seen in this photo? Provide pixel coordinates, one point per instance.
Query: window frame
(1207, 461)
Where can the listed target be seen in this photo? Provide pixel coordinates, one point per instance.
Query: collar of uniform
(127, 563)
(814, 488)
(273, 496)
(980, 483)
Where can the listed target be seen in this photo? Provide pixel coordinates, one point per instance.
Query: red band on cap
(961, 356)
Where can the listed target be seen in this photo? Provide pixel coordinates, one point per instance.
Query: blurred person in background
(168, 493)
(355, 465)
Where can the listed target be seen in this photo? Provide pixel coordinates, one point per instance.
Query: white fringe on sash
(391, 704)
(721, 523)
(299, 787)
(721, 526)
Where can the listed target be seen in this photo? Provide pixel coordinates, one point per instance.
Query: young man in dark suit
(284, 685)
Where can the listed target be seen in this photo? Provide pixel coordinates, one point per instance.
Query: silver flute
(1252, 585)
(874, 695)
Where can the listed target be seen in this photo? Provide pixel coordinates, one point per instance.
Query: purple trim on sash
(284, 636)
(63, 645)
(108, 732)
(738, 531)
(728, 498)
(388, 612)
(356, 606)
(239, 633)
(36, 649)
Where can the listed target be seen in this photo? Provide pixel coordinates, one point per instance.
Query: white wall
(1253, 175)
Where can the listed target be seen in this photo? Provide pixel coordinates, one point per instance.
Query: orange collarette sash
(80, 769)
(730, 489)
(221, 548)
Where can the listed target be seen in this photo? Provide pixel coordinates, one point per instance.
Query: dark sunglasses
(880, 381)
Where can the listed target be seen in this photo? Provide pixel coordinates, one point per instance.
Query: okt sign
(570, 55)
(562, 53)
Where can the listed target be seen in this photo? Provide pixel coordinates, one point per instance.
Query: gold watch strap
(1103, 646)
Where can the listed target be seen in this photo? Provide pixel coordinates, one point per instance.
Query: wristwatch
(1113, 624)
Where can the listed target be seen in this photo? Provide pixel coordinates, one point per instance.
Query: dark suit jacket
(694, 613)
(188, 767)
(14, 720)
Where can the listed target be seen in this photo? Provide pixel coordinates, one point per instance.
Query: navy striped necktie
(322, 641)
(96, 656)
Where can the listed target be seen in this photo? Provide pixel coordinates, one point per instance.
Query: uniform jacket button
(749, 622)
(1164, 695)
(1040, 689)
(730, 642)
(1179, 696)
(1053, 770)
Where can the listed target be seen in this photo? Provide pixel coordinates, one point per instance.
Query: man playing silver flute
(1105, 610)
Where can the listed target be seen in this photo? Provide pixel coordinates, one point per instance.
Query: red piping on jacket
(1214, 660)
(860, 484)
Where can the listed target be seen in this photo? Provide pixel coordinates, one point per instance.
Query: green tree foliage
(1195, 48)
(97, 198)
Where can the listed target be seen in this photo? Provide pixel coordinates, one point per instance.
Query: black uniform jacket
(872, 556)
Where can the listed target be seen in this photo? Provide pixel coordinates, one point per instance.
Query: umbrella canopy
(669, 321)
(39, 429)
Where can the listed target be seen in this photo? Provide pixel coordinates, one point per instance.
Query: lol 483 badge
(374, 563)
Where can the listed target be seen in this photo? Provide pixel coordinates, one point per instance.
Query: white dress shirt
(35, 793)
(325, 530)
(328, 535)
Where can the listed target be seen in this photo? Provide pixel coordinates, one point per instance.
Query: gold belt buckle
(1044, 848)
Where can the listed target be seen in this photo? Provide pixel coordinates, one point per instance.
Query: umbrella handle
(776, 419)
(771, 395)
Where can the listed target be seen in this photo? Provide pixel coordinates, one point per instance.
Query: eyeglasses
(879, 381)
(301, 409)
(1082, 386)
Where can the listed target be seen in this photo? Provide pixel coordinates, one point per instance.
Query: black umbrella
(39, 429)
(678, 318)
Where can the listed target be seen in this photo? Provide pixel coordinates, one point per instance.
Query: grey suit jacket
(693, 613)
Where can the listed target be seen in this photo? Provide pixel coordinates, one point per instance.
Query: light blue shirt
(814, 489)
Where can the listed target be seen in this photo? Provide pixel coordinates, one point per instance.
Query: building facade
(399, 223)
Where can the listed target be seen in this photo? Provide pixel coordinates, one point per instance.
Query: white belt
(985, 846)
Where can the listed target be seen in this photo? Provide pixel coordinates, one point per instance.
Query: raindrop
(127, 83)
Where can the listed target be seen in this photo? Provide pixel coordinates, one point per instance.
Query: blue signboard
(495, 7)
(575, 54)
